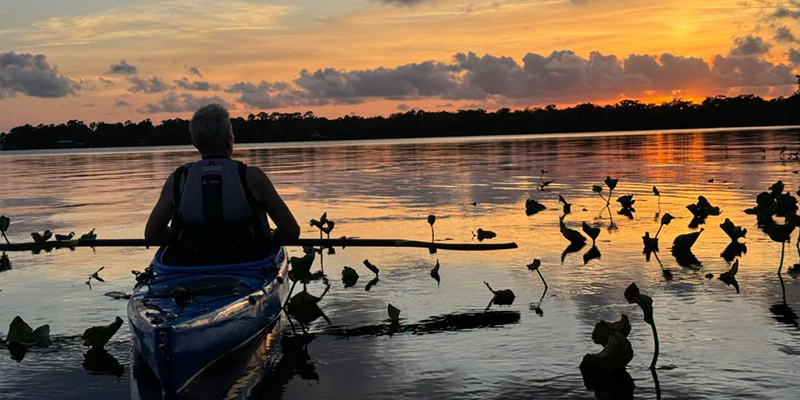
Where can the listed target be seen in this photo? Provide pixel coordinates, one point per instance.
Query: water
(716, 343)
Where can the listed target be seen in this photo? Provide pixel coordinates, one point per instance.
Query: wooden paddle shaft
(33, 246)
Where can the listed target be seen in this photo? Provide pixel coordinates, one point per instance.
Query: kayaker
(218, 205)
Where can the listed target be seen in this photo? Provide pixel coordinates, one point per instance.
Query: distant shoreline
(741, 112)
(395, 141)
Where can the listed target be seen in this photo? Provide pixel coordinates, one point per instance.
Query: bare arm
(260, 185)
(157, 229)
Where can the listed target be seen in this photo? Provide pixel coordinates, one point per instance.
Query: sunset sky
(116, 60)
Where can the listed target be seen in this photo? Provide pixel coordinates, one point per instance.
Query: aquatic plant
(5, 262)
(20, 333)
(501, 297)
(372, 283)
(435, 273)
(394, 313)
(349, 276)
(626, 202)
(370, 266)
(590, 231)
(729, 276)
(543, 183)
(98, 336)
(5, 222)
(734, 232)
(42, 237)
(592, 254)
(617, 350)
(95, 276)
(431, 221)
(64, 238)
(567, 207)
(532, 207)
(482, 234)
(117, 295)
(632, 295)
(657, 194)
(781, 233)
(684, 243)
(534, 266)
(572, 235)
(91, 235)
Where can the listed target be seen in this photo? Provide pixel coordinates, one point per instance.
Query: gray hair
(211, 129)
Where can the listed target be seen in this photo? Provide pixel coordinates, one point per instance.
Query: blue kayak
(184, 318)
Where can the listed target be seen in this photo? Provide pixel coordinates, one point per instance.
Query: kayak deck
(219, 309)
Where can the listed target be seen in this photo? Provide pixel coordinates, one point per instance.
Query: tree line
(719, 111)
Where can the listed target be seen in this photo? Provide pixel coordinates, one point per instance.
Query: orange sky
(370, 56)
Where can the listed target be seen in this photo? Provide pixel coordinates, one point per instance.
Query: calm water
(716, 343)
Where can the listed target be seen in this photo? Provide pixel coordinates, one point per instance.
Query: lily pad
(5, 262)
(633, 295)
(98, 336)
(617, 353)
(603, 329)
(349, 276)
(684, 243)
(4, 223)
(591, 231)
(572, 235)
(117, 295)
(431, 219)
(301, 267)
(734, 232)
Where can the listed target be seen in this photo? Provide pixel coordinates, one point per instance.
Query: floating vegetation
(729, 276)
(42, 237)
(781, 233)
(431, 221)
(118, 295)
(304, 306)
(438, 324)
(370, 266)
(64, 238)
(733, 250)
(684, 243)
(572, 235)
(532, 207)
(657, 194)
(5, 222)
(20, 333)
(349, 276)
(543, 183)
(617, 350)
(394, 313)
(734, 232)
(534, 266)
(99, 361)
(372, 283)
(95, 276)
(482, 235)
(633, 295)
(91, 235)
(435, 273)
(592, 254)
(98, 336)
(5, 262)
(566, 207)
(501, 297)
(626, 202)
(700, 211)
(592, 232)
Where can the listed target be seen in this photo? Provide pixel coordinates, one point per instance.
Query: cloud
(192, 70)
(403, 107)
(783, 34)
(152, 85)
(183, 102)
(787, 12)
(403, 2)
(122, 68)
(794, 57)
(122, 103)
(32, 75)
(561, 76)
(749, 46)
(199, 86)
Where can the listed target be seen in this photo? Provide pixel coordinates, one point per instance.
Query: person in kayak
(215, 210)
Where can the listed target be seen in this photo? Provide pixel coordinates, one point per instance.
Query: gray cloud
(793, 11)
(32, 75)
(794, 57)
(182, 102)
(192, 70)
(403, 107)
(783, 34)
(749, 46)
(122, 103)
(199, 86)
(561, 76)
(122, 68)
(152, 85)
(403, 2)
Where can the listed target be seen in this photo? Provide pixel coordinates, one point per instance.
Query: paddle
(297, 242)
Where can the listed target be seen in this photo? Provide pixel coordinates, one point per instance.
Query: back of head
(211, 130)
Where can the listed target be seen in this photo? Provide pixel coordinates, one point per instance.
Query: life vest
(216, 218)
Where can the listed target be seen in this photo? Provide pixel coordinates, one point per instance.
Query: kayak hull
(180, 341)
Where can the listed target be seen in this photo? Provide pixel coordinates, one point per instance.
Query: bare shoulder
(256, 175)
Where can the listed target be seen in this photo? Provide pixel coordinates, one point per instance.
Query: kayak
(184, 318)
